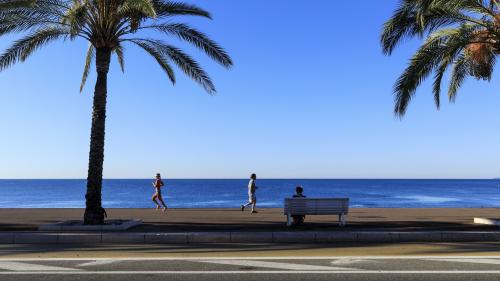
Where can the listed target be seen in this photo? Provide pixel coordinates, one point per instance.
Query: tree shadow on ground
(310, 226)
(96, 250)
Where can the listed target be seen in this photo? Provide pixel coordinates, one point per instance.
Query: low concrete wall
(247, 237)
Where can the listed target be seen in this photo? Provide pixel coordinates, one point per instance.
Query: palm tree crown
(463, 35)
(109, 24)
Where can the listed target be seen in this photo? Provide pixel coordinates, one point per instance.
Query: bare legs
(160, 198)
(252, 202)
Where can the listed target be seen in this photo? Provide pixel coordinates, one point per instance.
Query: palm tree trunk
(93, 211)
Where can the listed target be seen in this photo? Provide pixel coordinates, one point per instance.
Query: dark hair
(299, 189)
(253, 176)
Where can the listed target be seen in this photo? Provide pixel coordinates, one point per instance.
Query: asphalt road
(241, 268)
(276, 262)
(246, 250)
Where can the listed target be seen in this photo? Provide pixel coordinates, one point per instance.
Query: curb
(77, 225)
(248, 237)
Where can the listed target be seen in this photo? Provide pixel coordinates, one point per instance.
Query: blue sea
(231, 193)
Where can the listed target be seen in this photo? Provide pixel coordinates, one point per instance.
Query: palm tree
(463, 35)
(107, 25)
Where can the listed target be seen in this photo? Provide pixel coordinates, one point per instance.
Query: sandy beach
(179, 220)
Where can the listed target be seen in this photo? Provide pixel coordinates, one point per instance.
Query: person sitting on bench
(298, 219)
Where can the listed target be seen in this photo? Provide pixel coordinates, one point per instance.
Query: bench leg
(342, 220)
(288, 220)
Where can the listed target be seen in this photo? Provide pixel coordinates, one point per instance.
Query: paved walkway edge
(247, 237)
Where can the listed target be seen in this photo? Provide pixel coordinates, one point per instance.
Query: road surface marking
(98, 262)
(19, 266)
(276, 265)
(344, 261)
(484, 261)
(457, 272)
(251, 258)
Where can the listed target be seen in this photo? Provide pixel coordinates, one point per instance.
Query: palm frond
(190, 67)
(187, 64)
(440, 49)
(421, 65)
(418, 17)
(158, 55)
(50, 10)
(88, 62)
(75, 18)
(454, 42)
(198, 39)
(436, 86)
(23, 48)
(171, 8)
(460, 71)
(142, 7)
(16, 4)
(32, 15)
(119, 54)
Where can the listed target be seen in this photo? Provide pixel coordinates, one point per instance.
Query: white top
(251, 186)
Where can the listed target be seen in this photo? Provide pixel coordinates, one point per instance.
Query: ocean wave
(426, 199)
(208, 203)
(64, 204)
(357, 206)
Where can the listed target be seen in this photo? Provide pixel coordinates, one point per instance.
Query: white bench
(316, 206)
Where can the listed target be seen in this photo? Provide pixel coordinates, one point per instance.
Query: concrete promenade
(268, 226)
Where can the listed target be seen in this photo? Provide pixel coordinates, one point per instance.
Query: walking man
(252, 198)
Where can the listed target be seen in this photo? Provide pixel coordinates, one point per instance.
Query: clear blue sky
(310, 96)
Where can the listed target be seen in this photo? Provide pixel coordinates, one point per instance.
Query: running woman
(157, 184)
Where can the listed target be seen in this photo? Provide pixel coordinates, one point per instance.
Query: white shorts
(252, 198)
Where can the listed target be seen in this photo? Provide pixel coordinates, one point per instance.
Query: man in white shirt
(252, 198)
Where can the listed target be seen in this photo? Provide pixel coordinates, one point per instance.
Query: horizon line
(277, 178)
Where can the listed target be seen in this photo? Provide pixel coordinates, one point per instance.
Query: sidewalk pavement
(268, 226)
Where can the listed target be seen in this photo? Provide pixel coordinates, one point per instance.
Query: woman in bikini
(157, 184)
